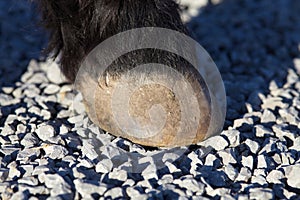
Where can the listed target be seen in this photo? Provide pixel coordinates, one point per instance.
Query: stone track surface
(50, 150)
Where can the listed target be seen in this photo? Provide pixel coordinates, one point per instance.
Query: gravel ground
(50, 149)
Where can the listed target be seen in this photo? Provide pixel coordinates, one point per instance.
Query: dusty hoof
(153, 104)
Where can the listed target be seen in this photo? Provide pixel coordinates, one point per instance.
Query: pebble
(28, 154)
(28, 180)
(14, 173)
(114, 193)
(3, 174)
(104, 166)
(261, 162)
(261, 131)
(45, 131)
(274, 102)
(292, 175)
(55, 151)
(27, 169)
(41, 169)
(19, 195)
(53, 72)
(261, 193)
(275, 177)
(133, 192)
(248, 162)
(51, 89)
(29, 140)
(52, 180)
(33, 190)
(244, 175)
(216, 142)
(89, 149)
(253, 145)
(268, 116)
(233, 136)
(119, 175)
(212, 160)
(231, 172)
(259, 179)
(87, 188)
(191, 185)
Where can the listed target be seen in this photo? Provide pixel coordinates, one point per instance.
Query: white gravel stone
(89, 149)
(55, 151)
(28, 169)
(86, 189)
(261, 131)
(14, 173)
(231, 172)
(228, 156)
(261, 162)
(253, 145)
(244, 175)
(150, 172)
(296, 145)
(248, 161)
(259, 179)
(133, 193)
(34, 190)
(191, 184)
(120, 175)
(53, 72)
(114, 193)
(19, 195)
(273, 102)
(41, 169)
(212, 160)
(27, 154)
(268, 116)
(52, 180)
(216, 142)
(292, 174)
(28, 181)
(29, 140)
(104, 166)
(45, 132)
(261, 193)
(275, 177)
(51, 89)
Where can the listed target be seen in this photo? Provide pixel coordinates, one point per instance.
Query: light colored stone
(87, 188)
(261, 193)
(114, 193)
(30, 180)
(292, 174)
(275, 176)
(216, 142)
(248, 162)
(119, 175)
(244, 175)
(29, 140)
(253, 145)
(261, 162)
(45, 132)
(268, 116)
(231, 172)
(51, 89)
(55, 151)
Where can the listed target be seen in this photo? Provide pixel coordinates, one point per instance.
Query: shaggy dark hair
(77, 26)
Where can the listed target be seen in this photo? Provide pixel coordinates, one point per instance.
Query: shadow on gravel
(253, 43)
(20, 39)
